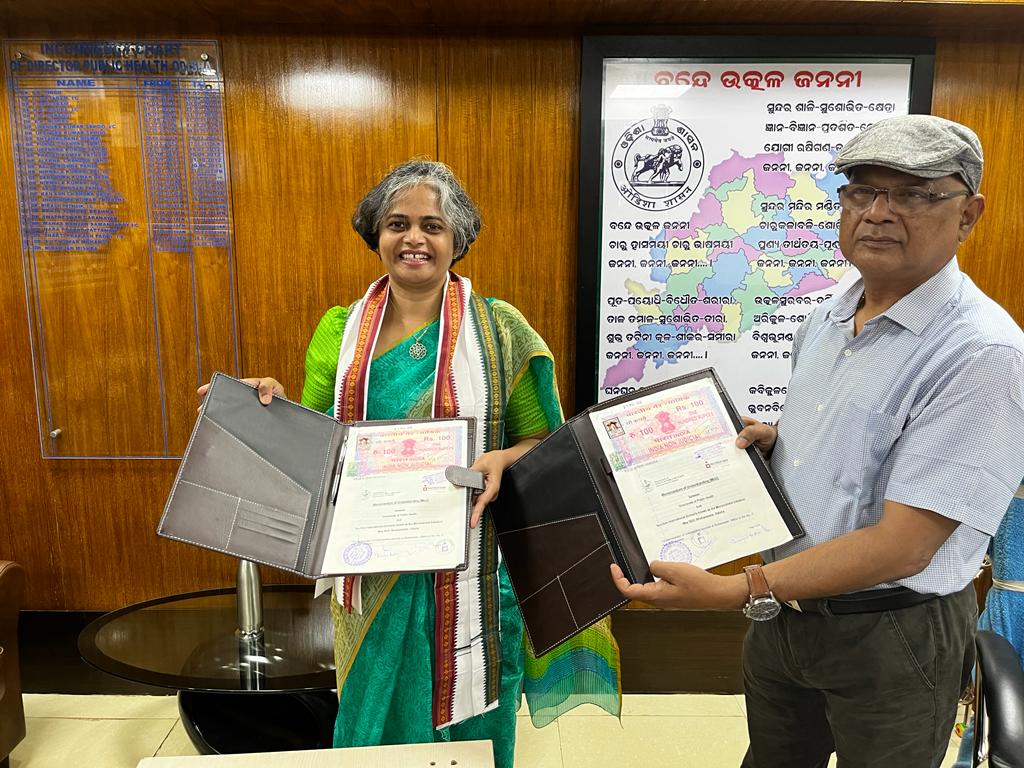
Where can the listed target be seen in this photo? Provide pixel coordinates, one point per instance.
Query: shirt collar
(915, 310)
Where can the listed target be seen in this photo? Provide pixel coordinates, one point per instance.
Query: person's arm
(322, 360)
(493, 464)
(966, 480)
(531, 413)
(532, 410)
(900, 545)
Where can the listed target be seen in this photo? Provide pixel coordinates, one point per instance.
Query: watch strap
(756, 581)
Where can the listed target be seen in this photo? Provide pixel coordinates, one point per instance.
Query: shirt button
(821, 407)
(847, 352)
(797, 462)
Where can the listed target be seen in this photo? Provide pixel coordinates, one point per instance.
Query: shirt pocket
(870, 436)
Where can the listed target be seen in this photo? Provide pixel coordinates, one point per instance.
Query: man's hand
(267, 387)
(685, 586)
(758, 433)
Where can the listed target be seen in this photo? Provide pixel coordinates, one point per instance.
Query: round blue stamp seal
(676, 552)
(357, 553)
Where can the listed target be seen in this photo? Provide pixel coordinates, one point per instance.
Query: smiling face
(415, 242)
(902, 252)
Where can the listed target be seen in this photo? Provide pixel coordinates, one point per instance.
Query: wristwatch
(762, 604)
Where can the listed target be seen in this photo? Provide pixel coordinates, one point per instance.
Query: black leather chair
(999, 722)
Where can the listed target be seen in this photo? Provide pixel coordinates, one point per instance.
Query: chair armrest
(1003, 692)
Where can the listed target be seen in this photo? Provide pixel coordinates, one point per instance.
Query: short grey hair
(457, 208)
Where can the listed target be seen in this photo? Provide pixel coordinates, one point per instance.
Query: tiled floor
(659, 730)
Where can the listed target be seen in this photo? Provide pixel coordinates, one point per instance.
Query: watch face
(762, 609)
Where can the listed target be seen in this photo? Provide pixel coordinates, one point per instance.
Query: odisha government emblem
(658, 163)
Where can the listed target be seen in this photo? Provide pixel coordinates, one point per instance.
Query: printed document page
(692, 495)
(395, 509)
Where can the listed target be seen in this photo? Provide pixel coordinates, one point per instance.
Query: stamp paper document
(692, 495)
(395, 509)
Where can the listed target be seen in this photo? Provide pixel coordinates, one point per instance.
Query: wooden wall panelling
(311, 123)
(508, 124)
(27, 523)
(979, 81)
(314, 122)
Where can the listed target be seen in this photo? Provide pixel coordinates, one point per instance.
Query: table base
(258, 721)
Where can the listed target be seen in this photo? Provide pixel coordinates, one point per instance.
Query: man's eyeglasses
(902, 200)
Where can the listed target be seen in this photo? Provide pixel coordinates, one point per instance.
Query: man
(897, 447)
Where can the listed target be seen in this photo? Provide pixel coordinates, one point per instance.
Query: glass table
(267, 688)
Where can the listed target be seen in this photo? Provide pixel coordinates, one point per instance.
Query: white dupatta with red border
(466, 649)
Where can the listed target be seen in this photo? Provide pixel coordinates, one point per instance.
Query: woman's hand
(267, 387)
(493, 464)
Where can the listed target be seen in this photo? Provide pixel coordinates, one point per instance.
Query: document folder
(261, 482)
(561, 520)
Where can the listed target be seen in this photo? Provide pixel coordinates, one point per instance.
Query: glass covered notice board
(126, 238)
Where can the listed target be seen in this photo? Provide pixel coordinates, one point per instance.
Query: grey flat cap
(921, 145)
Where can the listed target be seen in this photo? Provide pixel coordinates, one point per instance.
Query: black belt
(869, 601)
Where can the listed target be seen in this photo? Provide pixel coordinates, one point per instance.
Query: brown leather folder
(561, 522)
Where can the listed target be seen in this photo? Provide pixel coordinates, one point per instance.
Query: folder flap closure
(465, 478)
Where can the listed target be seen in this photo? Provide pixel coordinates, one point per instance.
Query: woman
(429, 657)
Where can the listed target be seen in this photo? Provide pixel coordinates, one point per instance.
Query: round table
(261, 692)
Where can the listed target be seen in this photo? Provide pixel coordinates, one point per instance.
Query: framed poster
(708, 225)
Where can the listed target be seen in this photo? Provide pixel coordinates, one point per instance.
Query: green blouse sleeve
(533, 406)
(322, 360)
(525, 414)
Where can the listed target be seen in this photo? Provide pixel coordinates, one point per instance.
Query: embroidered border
(350, 405)
(446, 587)
(493, 438)
(445, 403)
(444, 647)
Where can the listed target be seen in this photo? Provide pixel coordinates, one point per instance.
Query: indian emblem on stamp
(658, 163)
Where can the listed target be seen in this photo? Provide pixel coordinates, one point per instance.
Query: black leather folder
(561, 522)
(257, 481)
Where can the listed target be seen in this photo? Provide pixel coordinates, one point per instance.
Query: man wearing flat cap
(898, 448)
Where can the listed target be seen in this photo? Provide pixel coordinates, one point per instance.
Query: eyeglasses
(902, 200)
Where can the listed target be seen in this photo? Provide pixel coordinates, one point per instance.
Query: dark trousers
(878, 689)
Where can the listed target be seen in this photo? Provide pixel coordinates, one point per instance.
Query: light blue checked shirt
(924, 407)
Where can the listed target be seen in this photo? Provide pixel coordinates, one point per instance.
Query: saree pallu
(386, 655)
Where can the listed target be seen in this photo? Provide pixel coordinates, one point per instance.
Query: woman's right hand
(267, 387)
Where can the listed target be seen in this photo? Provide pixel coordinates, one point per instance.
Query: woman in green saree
(428, 657)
